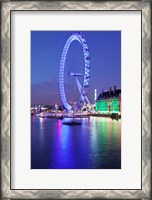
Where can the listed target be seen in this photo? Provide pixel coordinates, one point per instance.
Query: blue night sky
(46, 51)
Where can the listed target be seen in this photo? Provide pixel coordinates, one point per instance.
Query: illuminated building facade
(109, 102)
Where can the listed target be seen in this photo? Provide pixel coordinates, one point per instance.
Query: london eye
(82, 87)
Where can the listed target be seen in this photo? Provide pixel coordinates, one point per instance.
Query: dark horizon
(46, 50)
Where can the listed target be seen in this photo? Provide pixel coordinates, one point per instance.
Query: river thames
(95, 144)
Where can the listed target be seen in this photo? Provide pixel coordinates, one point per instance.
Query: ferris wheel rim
(81, 39)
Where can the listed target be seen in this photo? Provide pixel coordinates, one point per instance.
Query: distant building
(109, 101)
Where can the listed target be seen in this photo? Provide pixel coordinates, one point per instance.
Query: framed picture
(75, 99)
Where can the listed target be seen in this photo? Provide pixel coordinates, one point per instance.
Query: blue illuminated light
(76, 35)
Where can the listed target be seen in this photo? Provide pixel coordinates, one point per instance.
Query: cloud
(45, 93)
(48, 92)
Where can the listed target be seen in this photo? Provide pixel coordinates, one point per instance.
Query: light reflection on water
(95, 144)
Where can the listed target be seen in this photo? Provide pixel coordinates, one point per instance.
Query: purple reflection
(95, 144)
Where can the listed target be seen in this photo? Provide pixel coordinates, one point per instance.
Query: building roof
(109, 94)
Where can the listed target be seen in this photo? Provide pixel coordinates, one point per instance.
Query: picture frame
(6, 121)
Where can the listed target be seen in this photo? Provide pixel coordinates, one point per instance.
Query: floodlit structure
(109, 102)
(82, 87)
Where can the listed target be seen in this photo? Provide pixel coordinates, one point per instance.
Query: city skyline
(46, 51)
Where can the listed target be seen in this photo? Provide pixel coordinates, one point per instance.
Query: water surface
(95, 144)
